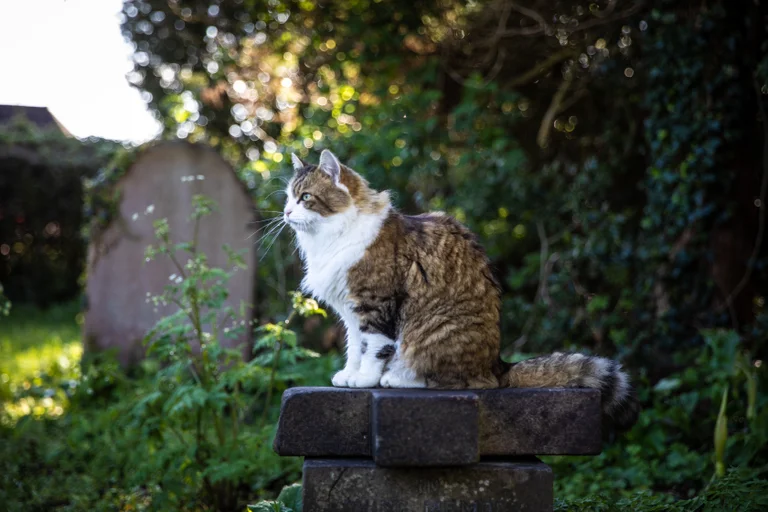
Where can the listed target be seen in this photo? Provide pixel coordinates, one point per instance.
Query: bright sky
(69, 56)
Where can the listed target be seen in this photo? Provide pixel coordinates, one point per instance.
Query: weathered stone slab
(336, 422)
(346, 485)
(161, 184)
(421, 428)
(540, 422)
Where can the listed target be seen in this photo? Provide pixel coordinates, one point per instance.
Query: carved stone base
(353, 485)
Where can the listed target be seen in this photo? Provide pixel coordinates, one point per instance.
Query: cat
(417, 296)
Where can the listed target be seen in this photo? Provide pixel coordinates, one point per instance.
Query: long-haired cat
(417, 296)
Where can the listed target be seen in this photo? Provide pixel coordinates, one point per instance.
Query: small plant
(289, 500)
(207, 416)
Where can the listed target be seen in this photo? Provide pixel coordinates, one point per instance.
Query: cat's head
(327, 194)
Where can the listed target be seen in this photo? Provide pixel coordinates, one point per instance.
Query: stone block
(333, 422)
(346, 485)
(540, 422)
(424, 428)
(337, 422)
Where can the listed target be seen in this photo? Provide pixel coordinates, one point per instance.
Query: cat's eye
(306, 197)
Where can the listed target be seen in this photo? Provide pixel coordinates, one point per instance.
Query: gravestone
(377, 450)
(160, 184)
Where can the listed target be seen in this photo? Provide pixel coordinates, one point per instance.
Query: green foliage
(101, 199)
(191, 430)
(39, 356)
(204, 381)
(743, 491)
(609, 155)
(289, 500)
(41, 254)
(684, 438)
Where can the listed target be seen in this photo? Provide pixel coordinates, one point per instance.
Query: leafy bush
(685, 439)
(741, 491)
(208, 388)
(192, 431)
(610, 156)
(289, 500)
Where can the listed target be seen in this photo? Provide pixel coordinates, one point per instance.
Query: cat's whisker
(267, 235)
(272, 229)
(269, 224)
(267, 221)
(274, 192)
(270, 180)
(266, 251)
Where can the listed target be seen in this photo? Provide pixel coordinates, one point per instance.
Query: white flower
(200, 177)
(150, 209)
(172, 277)
(134, 216)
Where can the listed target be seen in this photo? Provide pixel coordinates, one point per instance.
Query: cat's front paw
(364, 380)
(342, 378)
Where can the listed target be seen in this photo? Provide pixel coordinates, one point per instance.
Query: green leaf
(291, 496)
(269, 506)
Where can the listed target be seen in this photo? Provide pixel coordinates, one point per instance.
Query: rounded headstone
(161, 184)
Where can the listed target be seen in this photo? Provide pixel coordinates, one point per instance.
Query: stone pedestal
(383, 450)
(350, 485)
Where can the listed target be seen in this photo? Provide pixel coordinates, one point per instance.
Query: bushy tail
(569, 370)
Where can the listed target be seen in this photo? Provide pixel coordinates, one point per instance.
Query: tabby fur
(417, 296)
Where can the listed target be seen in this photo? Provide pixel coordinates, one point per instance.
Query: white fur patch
(330, 247)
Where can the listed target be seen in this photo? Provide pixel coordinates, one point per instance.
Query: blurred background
(612, 155)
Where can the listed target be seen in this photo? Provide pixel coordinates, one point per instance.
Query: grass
(38, 348)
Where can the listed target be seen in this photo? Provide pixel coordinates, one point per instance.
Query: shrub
(191, 431)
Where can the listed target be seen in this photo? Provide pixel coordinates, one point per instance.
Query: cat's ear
(330, 165)
(298, 163)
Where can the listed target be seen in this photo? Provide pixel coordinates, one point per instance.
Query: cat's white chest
(327, 284)
(327, 261)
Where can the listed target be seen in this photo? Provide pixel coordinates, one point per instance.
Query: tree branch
(549, 116)
(606, 19)
(543, 66)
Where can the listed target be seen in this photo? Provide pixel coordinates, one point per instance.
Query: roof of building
(39, 116)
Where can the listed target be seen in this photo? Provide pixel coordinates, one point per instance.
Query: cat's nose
(288, 212)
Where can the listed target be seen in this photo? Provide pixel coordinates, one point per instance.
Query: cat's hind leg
(398, 375)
